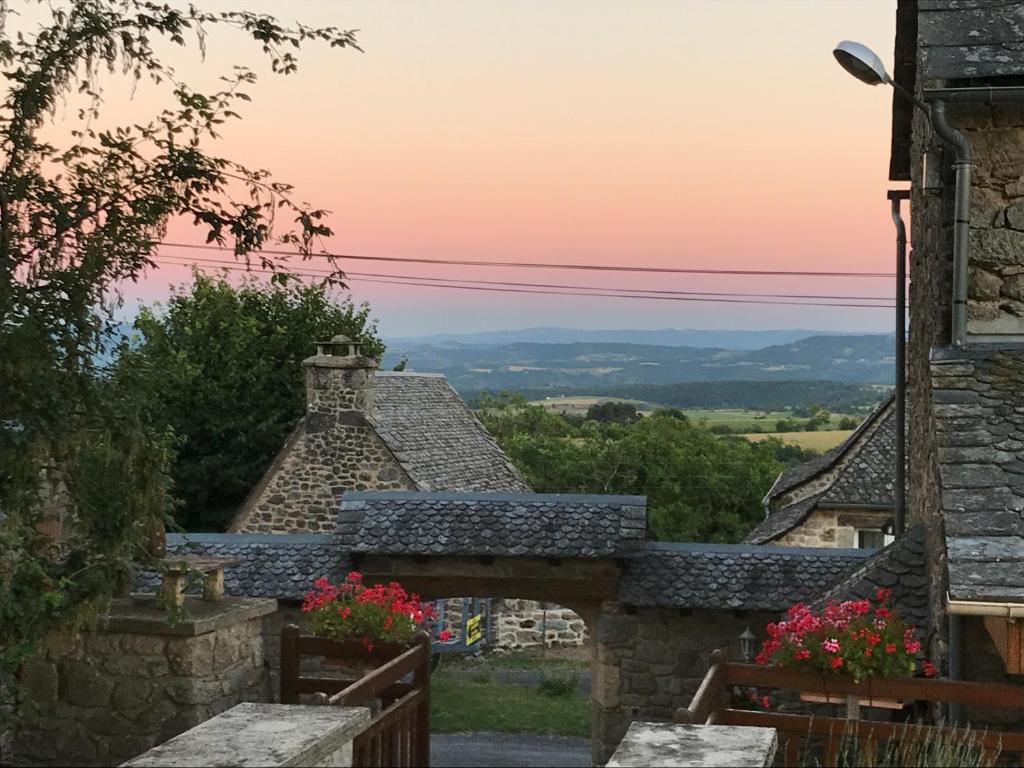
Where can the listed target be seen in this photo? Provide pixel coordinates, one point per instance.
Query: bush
(561, 684)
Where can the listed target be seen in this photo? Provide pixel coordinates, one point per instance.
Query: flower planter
(837, 698)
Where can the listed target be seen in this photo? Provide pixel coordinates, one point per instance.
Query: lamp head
(861, 62)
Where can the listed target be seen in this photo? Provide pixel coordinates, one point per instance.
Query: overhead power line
(507, 283)
(607, 294)
(538, 265)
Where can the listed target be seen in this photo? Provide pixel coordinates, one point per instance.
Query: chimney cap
(340, 345)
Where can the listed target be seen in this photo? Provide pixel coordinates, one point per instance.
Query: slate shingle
(733, 576)
(800, 474)
(902, 567)
(865, 478)
(500, 524)
(436, 438)
(978, 403)
(278, 565)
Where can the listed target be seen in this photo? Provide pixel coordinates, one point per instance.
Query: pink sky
(699, 133)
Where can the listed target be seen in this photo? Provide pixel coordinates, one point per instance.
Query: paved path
(487, 750)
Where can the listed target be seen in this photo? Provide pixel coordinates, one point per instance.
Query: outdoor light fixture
(748, 643)
(861, 62)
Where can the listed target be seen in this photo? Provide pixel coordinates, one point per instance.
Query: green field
(815, 441)
(738, 420)
(577, 406)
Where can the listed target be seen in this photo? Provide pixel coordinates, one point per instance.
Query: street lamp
(748, 643)
(864, 64)
(861, 62)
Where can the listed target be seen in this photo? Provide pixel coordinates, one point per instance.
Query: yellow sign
(473, 630)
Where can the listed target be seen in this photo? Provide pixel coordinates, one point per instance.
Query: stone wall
(834, 528)
(648, 662)
(996, 283)
(324, 457)
(528, 624)
(106, 695)
(332, 450)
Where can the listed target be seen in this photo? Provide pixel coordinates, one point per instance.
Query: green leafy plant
(83, 469)
(559, 683)
(220, 364)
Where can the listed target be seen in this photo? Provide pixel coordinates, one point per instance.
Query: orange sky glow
(685, 133)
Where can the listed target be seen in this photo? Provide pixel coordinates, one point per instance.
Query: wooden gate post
(290, 664)
(421, 680)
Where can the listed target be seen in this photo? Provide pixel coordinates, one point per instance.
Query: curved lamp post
(865, 65)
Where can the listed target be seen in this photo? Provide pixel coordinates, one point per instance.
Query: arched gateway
(655, 610)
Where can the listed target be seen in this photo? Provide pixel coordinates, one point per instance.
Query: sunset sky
(687, 133)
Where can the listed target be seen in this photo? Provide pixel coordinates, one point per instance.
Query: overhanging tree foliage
(76, 220)
(221, 366)
(699, 486)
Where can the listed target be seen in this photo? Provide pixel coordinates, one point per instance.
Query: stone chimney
(339, 379)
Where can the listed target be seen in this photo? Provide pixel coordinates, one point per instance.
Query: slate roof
(978, 403)
(783, 520)
(502, 524)
(901, 567)
(801, 473)
(436, 438)
(714, 576)
(278, 565)
(868, 479)
(865, 480)
(733, 576)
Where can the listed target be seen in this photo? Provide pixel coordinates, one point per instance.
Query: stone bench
(689, 746)
(265, 735)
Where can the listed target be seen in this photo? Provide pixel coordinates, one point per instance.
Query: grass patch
(528, 658)
(467, 705)
(816, 441)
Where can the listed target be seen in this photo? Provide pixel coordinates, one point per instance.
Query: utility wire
(609, 295)
(536, 265)
(506, 283)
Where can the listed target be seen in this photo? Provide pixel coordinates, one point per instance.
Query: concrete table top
(686, 746)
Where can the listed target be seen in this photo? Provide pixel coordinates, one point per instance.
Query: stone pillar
(650, 661)
(695, 746)
(105, 695)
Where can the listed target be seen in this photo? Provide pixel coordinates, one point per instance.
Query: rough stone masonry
(104, 696)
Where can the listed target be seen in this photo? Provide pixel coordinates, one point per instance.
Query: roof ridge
(494, 496)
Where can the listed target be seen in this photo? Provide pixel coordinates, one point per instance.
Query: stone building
(655, 611)
(965, 61)
(844, 498)
(370, 430)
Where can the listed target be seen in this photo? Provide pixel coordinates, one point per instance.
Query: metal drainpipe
(956, 659)
(961, 219)
(896, 197)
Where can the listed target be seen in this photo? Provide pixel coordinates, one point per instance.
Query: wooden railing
(399, 733)
(710, 706)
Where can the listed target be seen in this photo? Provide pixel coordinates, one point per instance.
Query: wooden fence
(399, 734)
(710, 706)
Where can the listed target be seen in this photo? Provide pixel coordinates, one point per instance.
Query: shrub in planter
(857, 639)
(377, 614)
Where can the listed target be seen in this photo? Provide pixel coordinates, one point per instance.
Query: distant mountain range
(854, 359)
(668, 337)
